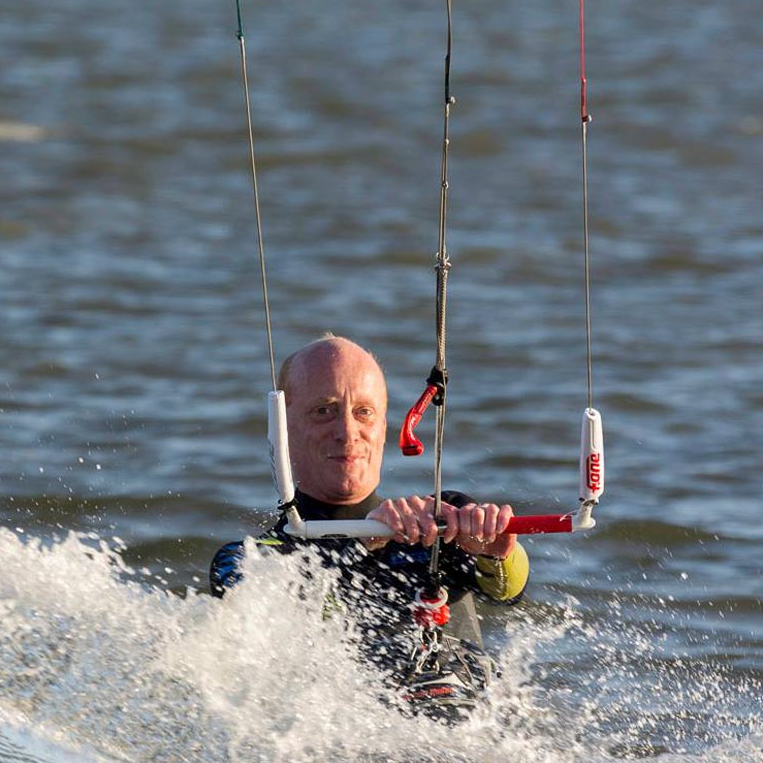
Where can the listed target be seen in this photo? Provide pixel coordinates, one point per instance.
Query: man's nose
(346, 426)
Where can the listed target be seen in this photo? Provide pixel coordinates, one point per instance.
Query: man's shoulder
(225, 569)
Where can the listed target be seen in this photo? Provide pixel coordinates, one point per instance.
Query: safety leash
(435, 391)
(439, 374)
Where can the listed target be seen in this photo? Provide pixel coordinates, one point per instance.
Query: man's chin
(351, 494)
(341, 483)
(345, 479)
(348, 491)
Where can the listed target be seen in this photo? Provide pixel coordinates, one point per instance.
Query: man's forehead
(334, 367)
(337, 361)
(327, 383)
(334, 382)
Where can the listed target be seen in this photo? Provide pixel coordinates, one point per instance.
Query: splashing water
(97, 665)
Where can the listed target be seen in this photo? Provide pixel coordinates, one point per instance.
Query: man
(336, 403)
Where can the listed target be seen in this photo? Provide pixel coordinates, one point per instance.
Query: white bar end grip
(315, 529)
(591, 458)
(278, 446)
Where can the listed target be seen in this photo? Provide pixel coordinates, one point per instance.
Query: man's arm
(504, 579)
(225, 570)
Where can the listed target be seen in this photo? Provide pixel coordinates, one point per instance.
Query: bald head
(327, 352)
(336, 402)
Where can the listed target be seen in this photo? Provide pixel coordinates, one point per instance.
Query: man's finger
(505, 514)
(465, 521)
(477, 522)
(410, 521)
(490, 524)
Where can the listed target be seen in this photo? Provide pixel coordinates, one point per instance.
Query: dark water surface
(133, 367)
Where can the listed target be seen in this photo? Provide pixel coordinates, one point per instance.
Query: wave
(95, 658)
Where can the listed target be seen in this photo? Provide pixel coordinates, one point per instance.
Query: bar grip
(591, 457)
(540, 523)
(278, 446)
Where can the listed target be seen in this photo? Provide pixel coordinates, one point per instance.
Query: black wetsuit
(398, 567)
(382, 582)
(378, 588)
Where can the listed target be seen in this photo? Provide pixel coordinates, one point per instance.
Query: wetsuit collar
(312, 508)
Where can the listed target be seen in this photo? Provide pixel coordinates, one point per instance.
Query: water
(134, 369)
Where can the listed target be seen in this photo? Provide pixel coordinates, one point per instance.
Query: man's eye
(364, 413)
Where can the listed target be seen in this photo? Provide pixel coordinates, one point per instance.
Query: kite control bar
(591, 484)
(325, 529)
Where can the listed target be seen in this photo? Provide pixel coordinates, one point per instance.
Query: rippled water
(134, 370)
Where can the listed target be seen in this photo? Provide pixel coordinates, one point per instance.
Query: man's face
(336, 407)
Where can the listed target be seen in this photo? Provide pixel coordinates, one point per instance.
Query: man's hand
(480, 528)
(411, 519)
(476, 528)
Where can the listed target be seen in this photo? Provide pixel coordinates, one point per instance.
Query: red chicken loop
(431, 611)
